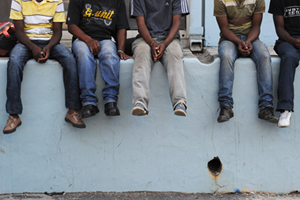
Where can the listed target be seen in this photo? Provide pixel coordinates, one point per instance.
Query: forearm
(173, 32)
(253, 34)
(24, 39)
(229, 35)
(78, 33)
(144, 31)
(55, 39)
(121, 39)
(284, 35)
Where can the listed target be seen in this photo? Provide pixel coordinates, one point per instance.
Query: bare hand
(94, 46)
(44, 55)
(36, 52)
(245, 48)
(160, 49)
(123, 55)
(154, 51)
(297, 43)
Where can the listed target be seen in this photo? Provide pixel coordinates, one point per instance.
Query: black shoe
(268, 115)
(225, 114)
(111, 109)
(89, 110)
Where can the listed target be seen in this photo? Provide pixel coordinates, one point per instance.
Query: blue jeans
(109, 63)
(228, 52)
(20, 54)
(290, 57)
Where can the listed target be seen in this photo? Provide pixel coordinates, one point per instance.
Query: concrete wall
(267, 35)
(158, 152)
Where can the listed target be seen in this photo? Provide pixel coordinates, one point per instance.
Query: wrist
(120, 51)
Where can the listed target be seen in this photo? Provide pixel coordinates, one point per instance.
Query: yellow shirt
(38, 18)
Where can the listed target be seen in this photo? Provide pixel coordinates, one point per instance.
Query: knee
(291, 55)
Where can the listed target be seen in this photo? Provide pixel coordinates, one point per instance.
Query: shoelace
(284, 115)
(10, 121)
(77, 117)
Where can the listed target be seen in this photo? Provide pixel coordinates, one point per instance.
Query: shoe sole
(138, 111)
(221, 120)
(89, 115)
(180, 113)
(272, 120)
(12, 130)
(283, 126)
(75, 125)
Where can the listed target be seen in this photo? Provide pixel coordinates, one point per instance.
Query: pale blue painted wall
(158, 152)
(267, 35)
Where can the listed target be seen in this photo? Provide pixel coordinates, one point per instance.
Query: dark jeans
(15, 66)
(290, 57)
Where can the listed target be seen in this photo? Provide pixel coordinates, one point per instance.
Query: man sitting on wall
(38, 27)
(158, 23)
(239, 22)
(286, 16)
(94, 23)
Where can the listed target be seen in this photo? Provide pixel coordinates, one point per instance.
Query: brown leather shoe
(75, 120)
(12, 124)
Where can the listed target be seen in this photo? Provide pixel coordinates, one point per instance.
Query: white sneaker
(284, 119)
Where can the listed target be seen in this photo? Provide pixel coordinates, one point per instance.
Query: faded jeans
(109, 63)
(143, 63)
(228, 52)
(20, 54)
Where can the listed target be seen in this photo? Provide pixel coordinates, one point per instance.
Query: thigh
(228, 50)
(80, 48)
(60, 51)
(283, 48)
(108, 48)
(20, 53)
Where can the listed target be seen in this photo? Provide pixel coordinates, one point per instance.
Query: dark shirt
(99, 19)
(290, 10)
(158, 14)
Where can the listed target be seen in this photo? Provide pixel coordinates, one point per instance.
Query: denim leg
(86, 67)
(67, 60)
(260, 55)
(228, 53)
(19, 55)
(290, 57)
(109, 63)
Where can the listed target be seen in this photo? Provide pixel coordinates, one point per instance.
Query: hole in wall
(215, 166)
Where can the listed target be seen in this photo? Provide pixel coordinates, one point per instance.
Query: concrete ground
(149, 196)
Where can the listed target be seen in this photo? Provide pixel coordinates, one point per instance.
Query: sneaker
(139, 110)
(225, 114)
(180, 110)
(267, 115)
(75, 120)
(284, 119)
(12, 124)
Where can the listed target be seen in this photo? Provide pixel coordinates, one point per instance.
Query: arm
(282, 33)
(121, 40)
(57, 33)
(93, 45)
(24, 39)
(146, 35)
(255, 31)
(229, 35)
(172, 34)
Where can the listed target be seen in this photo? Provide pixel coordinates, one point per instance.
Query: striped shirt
(239, 14)
(38, 18)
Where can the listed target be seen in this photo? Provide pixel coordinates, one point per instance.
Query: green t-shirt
(239, 14)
